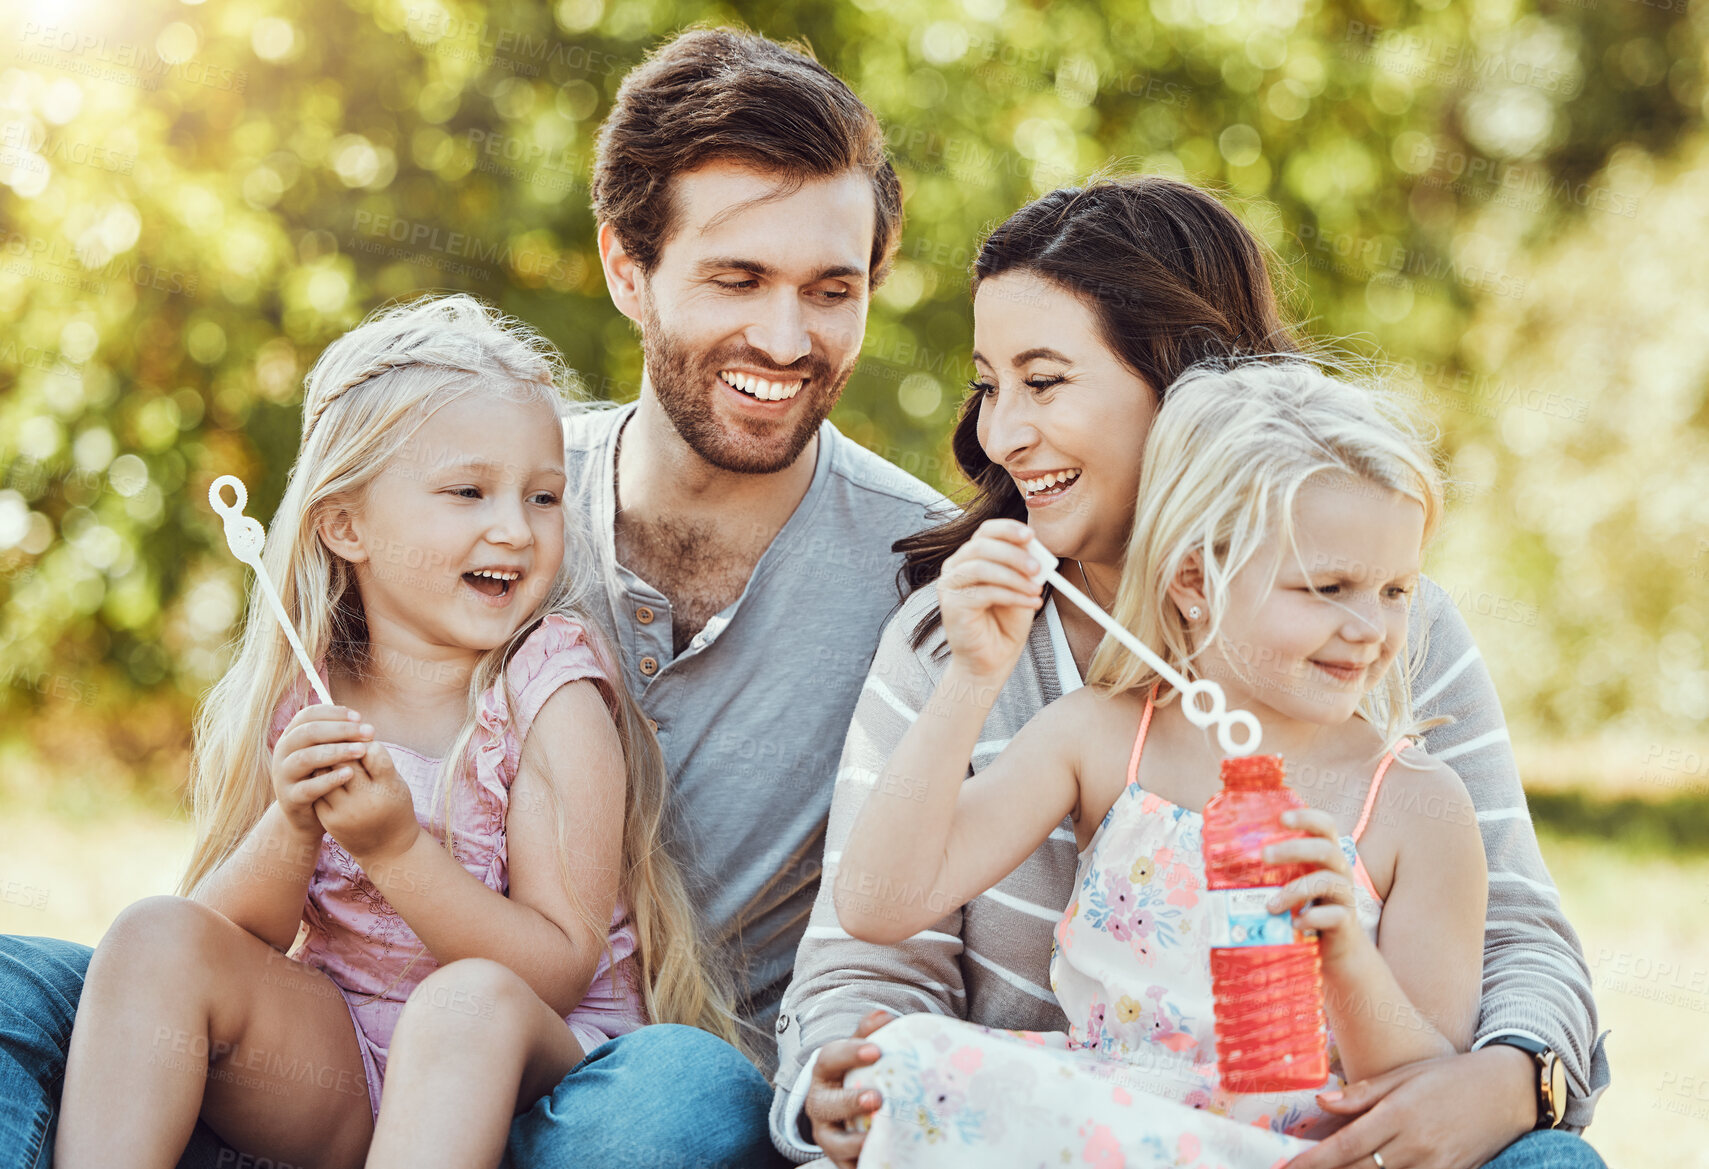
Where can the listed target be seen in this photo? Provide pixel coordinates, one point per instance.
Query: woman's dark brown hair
(723, 94)
(1172, 277)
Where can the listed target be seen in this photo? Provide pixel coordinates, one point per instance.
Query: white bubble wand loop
(246, 537)
(1218, 713)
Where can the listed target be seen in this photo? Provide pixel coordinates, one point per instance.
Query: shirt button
(649, 666)
(653, 726)
(782, 1024)
(644, 615)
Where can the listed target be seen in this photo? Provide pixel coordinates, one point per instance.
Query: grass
(1633, 876)
(1639, 913)
(1677, 826)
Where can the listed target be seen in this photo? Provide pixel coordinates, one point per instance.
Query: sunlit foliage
(1505, 200)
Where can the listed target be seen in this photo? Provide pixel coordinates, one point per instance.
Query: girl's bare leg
(185, 1014)
(474, 1046)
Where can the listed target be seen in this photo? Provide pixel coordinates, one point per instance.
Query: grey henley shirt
(751, 716)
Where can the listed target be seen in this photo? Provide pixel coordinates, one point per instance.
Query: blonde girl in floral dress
(1281, 520)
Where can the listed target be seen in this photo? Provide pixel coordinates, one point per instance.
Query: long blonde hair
(363, 400)
(1224, 463)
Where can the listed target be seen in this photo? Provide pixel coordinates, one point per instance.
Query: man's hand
(830, 1106)
(1450, 1113)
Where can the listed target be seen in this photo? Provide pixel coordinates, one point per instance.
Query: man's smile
(773, 389)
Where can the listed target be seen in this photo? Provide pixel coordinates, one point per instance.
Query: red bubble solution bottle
(1266, 975)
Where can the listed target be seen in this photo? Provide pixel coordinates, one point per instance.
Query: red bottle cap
(1253, 771)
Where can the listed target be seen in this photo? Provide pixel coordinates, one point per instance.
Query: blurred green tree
(196, 198)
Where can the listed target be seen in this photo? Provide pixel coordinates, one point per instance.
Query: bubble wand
(1218, 714)
(245, 537)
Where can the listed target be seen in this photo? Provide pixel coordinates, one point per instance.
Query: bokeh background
(1506, 200)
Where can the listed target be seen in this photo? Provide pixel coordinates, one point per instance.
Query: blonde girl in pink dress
(411, 912)
(1276, 545)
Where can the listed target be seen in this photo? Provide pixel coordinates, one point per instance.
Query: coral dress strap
(1371, 796)
(1139, 739)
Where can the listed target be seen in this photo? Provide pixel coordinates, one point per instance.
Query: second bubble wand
(1216, 714)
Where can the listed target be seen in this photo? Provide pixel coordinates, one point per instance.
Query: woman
(1088, 303)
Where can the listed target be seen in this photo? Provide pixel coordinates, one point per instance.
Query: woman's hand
(312, 758)
(1455, 1112)
(988, 598)
(1321, 900)
(372, 815)
(830, 1106)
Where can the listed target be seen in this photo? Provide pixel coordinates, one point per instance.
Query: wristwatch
(1551, 1077)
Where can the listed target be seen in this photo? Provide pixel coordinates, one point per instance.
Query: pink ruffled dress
(357, 938)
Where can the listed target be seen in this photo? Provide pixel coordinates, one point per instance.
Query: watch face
(1555, 1081)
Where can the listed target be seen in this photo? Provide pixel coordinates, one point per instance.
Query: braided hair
(455, 335)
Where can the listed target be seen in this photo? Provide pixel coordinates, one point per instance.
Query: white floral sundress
(1133, 1082)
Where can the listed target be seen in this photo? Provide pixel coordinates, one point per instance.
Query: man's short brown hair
(721, 94)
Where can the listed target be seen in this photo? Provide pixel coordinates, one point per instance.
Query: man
(747, 210)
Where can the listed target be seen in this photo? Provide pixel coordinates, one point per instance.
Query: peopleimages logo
(964, 159)
(1656, 979)
(518, 51)
(29, 148)
(417, 239)
(1487, 396)
(1453, 169)
(1451, 63)
(56, 261)
(97, 51)
(1379, 256)
(512, 157)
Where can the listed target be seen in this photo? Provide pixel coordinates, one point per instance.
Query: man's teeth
(1046, 482)
(759, 387)
(496, 575)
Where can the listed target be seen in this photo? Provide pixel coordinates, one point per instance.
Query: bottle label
(1238, 917)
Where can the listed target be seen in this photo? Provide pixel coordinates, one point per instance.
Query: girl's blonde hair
(363, 400)
(1224, 463)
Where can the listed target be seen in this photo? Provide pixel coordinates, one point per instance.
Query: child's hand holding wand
(314, 756)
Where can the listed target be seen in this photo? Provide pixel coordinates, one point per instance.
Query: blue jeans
(1547, 1150)
(657, 1098)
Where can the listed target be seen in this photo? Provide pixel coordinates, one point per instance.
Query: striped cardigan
(989, 961)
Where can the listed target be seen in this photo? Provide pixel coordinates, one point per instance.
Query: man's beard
(683, 382)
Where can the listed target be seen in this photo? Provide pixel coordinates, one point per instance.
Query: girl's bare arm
(1413, 995)
(1432, 930)
(928, 840)
(263, 885)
